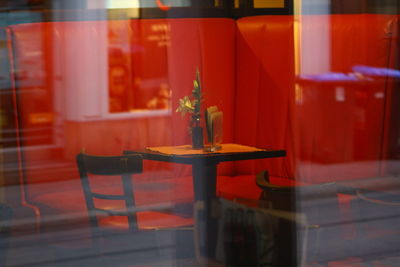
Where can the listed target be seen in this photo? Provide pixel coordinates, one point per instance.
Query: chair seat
(147, 220)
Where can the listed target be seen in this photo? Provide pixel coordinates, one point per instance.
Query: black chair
(320, 205)
(251, 236)
(112, 215)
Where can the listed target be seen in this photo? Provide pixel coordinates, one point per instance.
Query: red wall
(69, 74)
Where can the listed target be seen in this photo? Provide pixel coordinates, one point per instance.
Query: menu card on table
(214, 119)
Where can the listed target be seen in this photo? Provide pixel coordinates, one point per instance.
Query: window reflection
(106, 79)
(137, 66)
(123, 3)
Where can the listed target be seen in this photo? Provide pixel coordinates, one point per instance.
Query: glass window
(208, 132)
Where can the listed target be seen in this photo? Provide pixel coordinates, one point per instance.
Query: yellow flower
(185, 105)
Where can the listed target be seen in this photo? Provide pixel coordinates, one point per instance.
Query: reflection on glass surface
(123, 4)
(135, 82)
(317, 79)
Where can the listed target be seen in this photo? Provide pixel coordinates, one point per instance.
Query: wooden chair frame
(123, 166)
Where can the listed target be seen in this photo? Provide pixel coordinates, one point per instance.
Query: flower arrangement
(213, 118)
(192, 105)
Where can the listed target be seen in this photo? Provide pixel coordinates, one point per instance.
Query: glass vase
(197, 138)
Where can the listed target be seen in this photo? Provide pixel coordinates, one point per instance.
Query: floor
(164, 249)
(73, 249)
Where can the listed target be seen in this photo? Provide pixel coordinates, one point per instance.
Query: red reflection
(101, 91)
(162, 6)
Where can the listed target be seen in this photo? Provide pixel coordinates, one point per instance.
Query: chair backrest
(318, 202)
(249, 236)
(123, 166)
(293, 198)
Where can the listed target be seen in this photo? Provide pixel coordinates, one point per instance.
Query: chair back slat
(111, 212)
(109, 197)
(111, 165)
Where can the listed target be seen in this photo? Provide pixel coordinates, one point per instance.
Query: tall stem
(197, 100)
